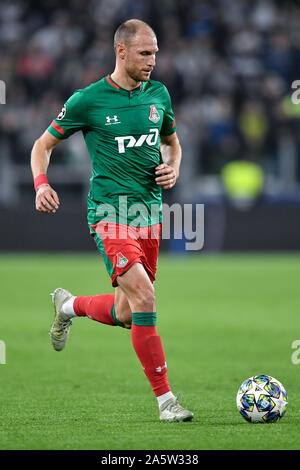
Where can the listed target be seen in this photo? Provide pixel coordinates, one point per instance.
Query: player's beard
(138, 75)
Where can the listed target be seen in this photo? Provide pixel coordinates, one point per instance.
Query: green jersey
(122, 132)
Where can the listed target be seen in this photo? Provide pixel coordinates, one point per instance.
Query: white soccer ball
(262, 399)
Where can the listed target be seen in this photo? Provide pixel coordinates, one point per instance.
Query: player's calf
(122, 309)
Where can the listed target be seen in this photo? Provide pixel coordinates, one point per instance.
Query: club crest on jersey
(154, 114)
(121, 260)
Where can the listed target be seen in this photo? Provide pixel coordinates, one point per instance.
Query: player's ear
(121, 50)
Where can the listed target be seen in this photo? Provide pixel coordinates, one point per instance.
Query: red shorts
(123, 245)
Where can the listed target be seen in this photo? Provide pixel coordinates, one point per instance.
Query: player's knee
(145, 300)
(127, 320)
(124, 316)
(127, 324)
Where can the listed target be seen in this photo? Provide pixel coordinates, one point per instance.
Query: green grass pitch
(221, 319)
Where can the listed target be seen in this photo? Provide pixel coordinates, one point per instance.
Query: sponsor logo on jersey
(62, 113)
(129, 141)
(121, 260)
(112, 120)
(154, 114)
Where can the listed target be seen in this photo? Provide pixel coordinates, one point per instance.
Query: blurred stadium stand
(229, 66)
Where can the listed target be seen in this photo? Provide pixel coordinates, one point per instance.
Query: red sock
(148, 347)
(97, 307)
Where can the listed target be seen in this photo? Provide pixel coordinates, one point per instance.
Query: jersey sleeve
(169, 122)
(72, 118)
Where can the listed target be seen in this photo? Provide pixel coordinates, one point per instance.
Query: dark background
(229, 66)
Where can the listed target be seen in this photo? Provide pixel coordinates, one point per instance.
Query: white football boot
(171, 411)
(60, 328)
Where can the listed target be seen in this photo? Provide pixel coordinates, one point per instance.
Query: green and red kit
(122, 132)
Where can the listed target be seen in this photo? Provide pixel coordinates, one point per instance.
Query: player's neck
(124, 81)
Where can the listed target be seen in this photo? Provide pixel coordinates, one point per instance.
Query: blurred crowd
(229, 66)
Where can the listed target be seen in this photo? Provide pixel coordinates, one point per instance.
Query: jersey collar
(122, 90)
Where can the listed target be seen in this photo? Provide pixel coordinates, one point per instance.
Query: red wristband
(39, 180)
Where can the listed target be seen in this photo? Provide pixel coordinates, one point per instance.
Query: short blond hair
(128, 29)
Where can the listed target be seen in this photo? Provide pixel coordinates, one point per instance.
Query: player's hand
(46, 199)
(166, 176)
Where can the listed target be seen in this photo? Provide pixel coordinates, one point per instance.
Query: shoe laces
(65, 323)
(175, 405)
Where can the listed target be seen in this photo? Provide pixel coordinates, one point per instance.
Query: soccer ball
(262, 399)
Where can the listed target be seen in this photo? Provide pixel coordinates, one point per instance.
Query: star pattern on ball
(262, 398)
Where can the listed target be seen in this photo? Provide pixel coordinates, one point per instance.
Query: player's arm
(46, 198)
(168, 172)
